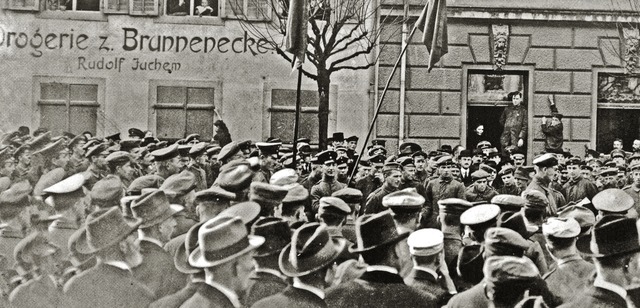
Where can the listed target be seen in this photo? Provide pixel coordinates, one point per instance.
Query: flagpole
(296, 123)
(384, 92)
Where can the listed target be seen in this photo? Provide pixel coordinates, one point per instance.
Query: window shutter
(116, 6)
(233, 8)
(143, 7)
(24, 5)
(258, 10)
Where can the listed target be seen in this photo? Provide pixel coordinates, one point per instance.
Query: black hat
(268, 148)
(409, 148)
(165, 153)
(381, 142)
(276, 232)
(545, 160)
(465, 153)
(115, 137)
(352, 138)
(613, 235)
(134, 132)
(326, 156)
(338, 136)
(375, 231)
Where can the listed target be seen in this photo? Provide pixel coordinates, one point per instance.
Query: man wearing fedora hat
(157, 270)
(112, 238)
(309, 260)
(379, 243)
(36, 252)
(571, 273)
(267, 279)
(615, 249)
(225, 253)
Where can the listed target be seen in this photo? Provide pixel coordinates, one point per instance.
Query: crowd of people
(96, 222)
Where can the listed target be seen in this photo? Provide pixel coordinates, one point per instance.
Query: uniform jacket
(175, 300)
(367, 185)
(537, 255)
(377, 289)
(514, 120)
(594, 297)
(92, 175)
(54, 176)
(263, 285)
(105, 286)
(39, 292)
(425, 281)
(579, 189)
(208, 296)
(157, 270)
(26, 173)
(452, 244)
(571, 276)
(374, 200)
(77, 165)
(472, 298)
(634, 192)
(438, 189)
(473, 195)
(556, 199)
(509, 190)
(60, 231)
(291, 297)
(552, 136)
(324, 188)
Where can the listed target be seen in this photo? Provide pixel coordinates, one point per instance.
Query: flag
(296, 36)
(433, 24)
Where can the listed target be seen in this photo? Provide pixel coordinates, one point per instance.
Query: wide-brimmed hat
(613, 235)
(103, 229)
(376, 230)
(515, 222)
(311, 249)
(222, 239)
(153, 208)
(276, 232)
(181, 256)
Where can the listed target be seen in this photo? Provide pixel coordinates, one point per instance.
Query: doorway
(617, 123)
(487, 116)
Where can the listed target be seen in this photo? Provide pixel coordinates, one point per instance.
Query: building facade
(106, 66)
(571, 51)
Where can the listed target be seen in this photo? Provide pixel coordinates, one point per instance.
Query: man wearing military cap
(135, 133)
(267, 279)
(405, 205)
(443, 187)
(98, 166)
(479, 190)
(328, 184)
(268, 160)
(371, 179)
(198, 164)
(77, 161)
(353, 198)
(43, 290)
(230, 152)
(210, 202)
(634, 189)
(607, 178)
(571, 273)
(121, 165)
(545, 167)
(7, 168)
(225, 253)
(430, 274)
(614, 201)
(167, 161)
(63, 197)
(379, 243)
(55, 158)
(577, 187)
(112, 238)
(24, 170)
(450, 210)
(15, 210)
(156, 270)
(409, 179)
(293, 207)
(392, 173)
(615, 249)
(180, 189)
(343, 169)
(509, 186)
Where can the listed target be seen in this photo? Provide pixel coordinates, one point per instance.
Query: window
(24, 5)
(283, 114)
(184, 110)
(73, 5)
(249, 9)
(203, 8)
(68, 107)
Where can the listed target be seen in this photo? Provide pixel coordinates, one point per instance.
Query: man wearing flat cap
(267, 279)
(329, 184)
(480, 190)
(121, 165)
(110, 283)
(392, 173)
(607, 178)
(430, 273)
(405, 205)
(509, 186)
(167, 161)
(545, 167)
(293, 207)
(577, 188)
(379, 244)
(443, 187)
(334, 212)
(571, 273)
(614, 201)
(157, 270)
(307, 260)
(225, 253)
(615, 249)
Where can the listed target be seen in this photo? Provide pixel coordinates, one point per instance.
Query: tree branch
(290, 60)
(353, 41)
(355, 68)
(351, 56)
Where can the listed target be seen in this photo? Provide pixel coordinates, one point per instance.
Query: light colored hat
(426, 242)
(561, 227)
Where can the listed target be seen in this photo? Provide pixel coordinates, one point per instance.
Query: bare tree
(342, 36)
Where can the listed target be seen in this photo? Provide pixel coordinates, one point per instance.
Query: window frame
(307, 85)
(153, 105)
(100, 107)
(229, 14)
(10, 5)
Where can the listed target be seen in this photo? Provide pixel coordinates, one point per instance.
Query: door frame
(529, 70)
